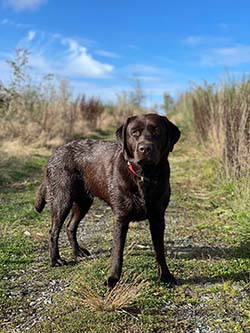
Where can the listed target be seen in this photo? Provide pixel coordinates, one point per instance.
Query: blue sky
(101, 46)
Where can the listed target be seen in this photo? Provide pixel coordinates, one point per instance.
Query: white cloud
(142, 69)
(199, 40)
(20, 5)
(79, 63)
(71, 59)
(31, 35)
(133, 46)
(227, 56)
(16, 25)
(149, 78)
(193, 40)
(165, 59)
(41, 64)
(147, 74)
(108, 54)
(72, 62)
(76, 60)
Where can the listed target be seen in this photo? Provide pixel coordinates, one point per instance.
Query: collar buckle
(132, 170)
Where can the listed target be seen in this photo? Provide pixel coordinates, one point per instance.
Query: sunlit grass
(125, 292)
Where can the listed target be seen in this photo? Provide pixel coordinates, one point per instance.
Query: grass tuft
(121, 296)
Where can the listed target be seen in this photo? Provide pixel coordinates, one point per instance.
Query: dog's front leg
(157, 227)
(119, 237)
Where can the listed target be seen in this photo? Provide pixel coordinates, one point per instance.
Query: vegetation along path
(207, 244)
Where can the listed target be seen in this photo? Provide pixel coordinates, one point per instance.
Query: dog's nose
(145, 148)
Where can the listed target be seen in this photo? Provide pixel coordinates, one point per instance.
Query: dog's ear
(173, 134)
(121, 136)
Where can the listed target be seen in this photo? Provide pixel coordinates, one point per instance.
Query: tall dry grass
(222, 122)
(45, 111)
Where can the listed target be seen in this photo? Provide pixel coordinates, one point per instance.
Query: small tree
(19, 68)
(91, 111)
(137, 96)
(168, 102)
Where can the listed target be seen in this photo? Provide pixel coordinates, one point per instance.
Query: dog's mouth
(150, 160)
(146, 162)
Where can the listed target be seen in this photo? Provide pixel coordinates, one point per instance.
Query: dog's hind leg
(79, 210)
(60, 210)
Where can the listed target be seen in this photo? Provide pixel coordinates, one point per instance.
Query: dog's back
(80, 166)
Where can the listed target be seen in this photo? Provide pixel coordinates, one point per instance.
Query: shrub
(91, 111)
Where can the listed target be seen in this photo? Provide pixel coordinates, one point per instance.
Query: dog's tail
(40, 198)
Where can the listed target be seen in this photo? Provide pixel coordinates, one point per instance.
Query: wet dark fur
(83, 169)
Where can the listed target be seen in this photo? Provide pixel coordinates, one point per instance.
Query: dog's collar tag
(132, 170)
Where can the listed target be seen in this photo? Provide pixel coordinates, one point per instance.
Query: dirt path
(207, 250)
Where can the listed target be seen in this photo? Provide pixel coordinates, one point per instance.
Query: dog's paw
(58, 262)
(169, 280)
(82, 253)
(111, 282)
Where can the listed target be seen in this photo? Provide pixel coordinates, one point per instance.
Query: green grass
(207, 246)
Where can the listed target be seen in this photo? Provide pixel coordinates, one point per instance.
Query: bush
(91, 111)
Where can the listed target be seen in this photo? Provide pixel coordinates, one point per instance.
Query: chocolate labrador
(131, 175)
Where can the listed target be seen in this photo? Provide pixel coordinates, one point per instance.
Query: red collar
(132, 170)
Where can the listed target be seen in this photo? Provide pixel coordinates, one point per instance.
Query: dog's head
(147, 139)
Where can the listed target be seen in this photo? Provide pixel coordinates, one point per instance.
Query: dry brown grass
(222, 121)
(19, 149)
(46, 111)
(121, 296)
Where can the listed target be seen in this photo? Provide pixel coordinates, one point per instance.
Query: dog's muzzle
(146, 153)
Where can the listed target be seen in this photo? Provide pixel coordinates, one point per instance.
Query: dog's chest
(139, 209)
(142, 199)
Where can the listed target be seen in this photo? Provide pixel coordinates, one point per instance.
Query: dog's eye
(156, 131)
(135, 132)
